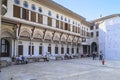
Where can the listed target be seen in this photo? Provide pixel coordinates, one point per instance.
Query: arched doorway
(5, 47)
(94, 47)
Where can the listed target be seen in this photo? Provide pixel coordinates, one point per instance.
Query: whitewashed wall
(109, 38)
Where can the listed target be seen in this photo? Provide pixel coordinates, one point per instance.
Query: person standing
(94, 55)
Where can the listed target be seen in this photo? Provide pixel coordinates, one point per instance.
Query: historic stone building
(33, 27)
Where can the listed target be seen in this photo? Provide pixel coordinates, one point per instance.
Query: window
(78, 29)
(40, 18)
(68, 50)
(69, 27)
(33, 16)
(4, 48)
(49, 13)
(88, 34)
(25, 4)
(57, 16)
(77, 50)
(49, 21)
(33, 7)
(40, 9)
(16, 11)
(17, 1)
(40, 50)
(25, 14)
(91, 27)
(96, 27)
(61, 25)
(61, 18)
(69, 20)
(29, 50)
(91, 34)
(57, 23)
(49, 49)
(73, 28)
(56, 50)
(83, 40)
(72, 50)
(62, 50)
(73, 22)
(66, 26)
(4, 2)
(97, 34)
(20, 49)
(65, 19)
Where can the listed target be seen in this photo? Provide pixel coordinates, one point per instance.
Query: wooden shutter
(25, 14)
(57, 23)
(49, 21)
(20, 49)
(16, 11)
(33, 16)
(40, 18)
(61, 25)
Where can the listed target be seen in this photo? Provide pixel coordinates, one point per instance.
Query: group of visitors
(95, 55)
(68, 56)
(21, 59)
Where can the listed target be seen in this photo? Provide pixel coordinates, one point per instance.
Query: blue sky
(92, 9)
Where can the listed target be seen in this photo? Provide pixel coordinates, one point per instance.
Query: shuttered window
(25, 14)
(61, 25)
(49, 21)
(57, 23)
(16, 11)
(30, 50)
(33, 16)
(20, 49)
(40, 18)
(66, 26)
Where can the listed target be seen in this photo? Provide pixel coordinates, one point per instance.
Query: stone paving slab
(74, 69)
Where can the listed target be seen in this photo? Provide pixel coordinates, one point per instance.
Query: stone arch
(48, 36)
(25, 34)
(56, 37)
(7, 33)
(37, 35)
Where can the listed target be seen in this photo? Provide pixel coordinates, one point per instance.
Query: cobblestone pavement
(74, 69)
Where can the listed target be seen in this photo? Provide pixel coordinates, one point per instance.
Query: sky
(92, 9)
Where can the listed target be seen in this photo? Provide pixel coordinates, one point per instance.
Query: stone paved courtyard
(74, 69)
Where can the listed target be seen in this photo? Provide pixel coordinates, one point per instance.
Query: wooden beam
(53, 34)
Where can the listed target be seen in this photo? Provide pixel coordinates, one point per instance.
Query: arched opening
(94, 47)
(5, 48)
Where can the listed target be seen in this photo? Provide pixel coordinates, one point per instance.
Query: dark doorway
(93, 47)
